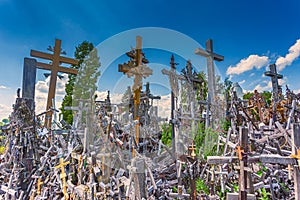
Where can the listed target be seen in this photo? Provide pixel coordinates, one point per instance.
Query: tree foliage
(82, 51)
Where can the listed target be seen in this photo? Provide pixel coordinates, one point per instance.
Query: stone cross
(210, 56)
(274, 78)
(54, 67)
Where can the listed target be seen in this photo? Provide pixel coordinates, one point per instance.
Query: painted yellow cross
(39, 183)
(297, 157)
(240, 152)
(63, 175)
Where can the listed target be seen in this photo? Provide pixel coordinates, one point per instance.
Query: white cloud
(5, 111)
(267, 85)
(164, 106)
(247, 64)
(41, 93)
(294, 53)
(114, 97)
(261, 88)
(3, 87)
(242, 82)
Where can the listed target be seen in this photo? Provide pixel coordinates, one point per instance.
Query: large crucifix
(54, 67)
(136, 67)
(210, 56)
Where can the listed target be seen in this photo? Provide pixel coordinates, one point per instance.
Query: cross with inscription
(54, 67)
(210, 56)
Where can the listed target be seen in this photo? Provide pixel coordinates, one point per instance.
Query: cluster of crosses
(41, 162)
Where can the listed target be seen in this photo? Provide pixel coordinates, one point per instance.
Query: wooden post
(243, 163)
(296, 142)
(54, 67)
(29, 76)
(210, 56)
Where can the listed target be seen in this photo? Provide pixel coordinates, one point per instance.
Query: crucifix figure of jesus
(54, 67)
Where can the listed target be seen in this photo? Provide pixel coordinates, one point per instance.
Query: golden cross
(63, 175)
(39, 183)
(54, 67)
(192, 149)
(297, 157)
(240, 152)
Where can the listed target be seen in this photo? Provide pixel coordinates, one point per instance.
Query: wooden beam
(277, 159)
(60, 68)
(42, 55)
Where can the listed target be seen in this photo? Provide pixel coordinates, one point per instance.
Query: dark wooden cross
(274, 78)
(54, 67)
(173, 78)
(210, 56)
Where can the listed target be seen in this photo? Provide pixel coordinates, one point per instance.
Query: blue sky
(239, 29)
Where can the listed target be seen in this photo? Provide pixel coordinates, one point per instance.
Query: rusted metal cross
(54, 67)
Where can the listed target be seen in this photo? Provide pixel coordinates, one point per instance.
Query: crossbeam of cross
(54, 67)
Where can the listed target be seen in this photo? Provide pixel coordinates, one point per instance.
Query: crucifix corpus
(210, 56)
(136, 67)
(54, 67)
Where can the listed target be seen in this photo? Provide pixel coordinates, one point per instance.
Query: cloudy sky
(249, 34)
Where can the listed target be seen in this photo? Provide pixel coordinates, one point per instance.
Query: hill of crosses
(217, 143)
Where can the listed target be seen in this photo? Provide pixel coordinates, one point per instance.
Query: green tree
(167, 134)
(86, 80)
(82, 51)
(248, 95)
(267, 97)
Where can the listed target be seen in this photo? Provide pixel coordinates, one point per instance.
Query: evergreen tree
(81, 52)
(87, 77)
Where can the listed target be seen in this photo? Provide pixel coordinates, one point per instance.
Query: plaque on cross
(54, 67)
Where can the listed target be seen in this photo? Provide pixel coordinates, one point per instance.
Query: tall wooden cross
(136, 67)
(54, 67)
(210, 56)
(274, 78)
